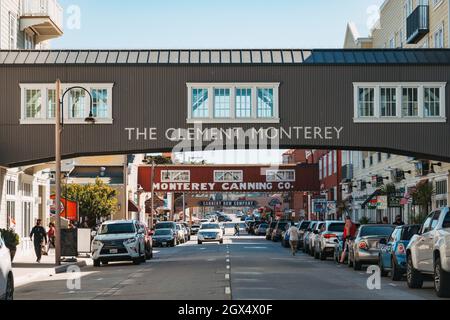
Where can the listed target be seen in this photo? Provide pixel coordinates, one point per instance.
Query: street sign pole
(153, 194)
(58, 174)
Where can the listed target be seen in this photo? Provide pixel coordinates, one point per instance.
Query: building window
(335, 156)
(228, 176)
(388, 102)
(379, 157)
(265, 103)
(233, 102)
(33, 104)
(39, 103)
(222, 106)
(29, 42)
(432, 102)
(10, 188)
(100, 103)
(439, 38)
(371, 160)
(366, 102)
(325, 166)
(27, 190)
(26, 219)
(320, 169)
(280, 175)
(175, 176)
(363, 163)
(410, 102)
(12, 31)
(243, 103)
(10, 214)
(330, 164)
(399, 102)
(200, 107)
(441, 187)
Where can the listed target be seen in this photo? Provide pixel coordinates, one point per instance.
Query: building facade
(402, 24)
(25, 191)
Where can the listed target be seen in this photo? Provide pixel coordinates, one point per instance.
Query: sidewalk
(26, 270)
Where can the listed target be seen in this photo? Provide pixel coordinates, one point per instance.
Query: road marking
(228, 290)
(228, 260)
(227, 276)
(228, 267)
(393, 285)
(261, 248)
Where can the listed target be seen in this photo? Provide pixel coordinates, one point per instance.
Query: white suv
(122, 240)
(428, 253)
(210, 232)
(6, 275)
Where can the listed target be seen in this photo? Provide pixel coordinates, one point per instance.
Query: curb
(63, 268)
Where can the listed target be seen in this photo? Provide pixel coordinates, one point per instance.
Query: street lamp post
(59, 124)
(153, 194)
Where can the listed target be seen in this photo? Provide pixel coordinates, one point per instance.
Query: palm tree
(423, 196)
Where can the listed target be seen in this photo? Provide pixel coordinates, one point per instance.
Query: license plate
(113, 251)
(164, 243)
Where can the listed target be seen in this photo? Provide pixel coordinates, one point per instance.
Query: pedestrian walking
(293, 238)
(51, 236)
(398, 221)
(38, 235)
(236, 230)
(349, 233)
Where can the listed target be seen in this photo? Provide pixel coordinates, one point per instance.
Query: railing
(417, 24)
(43, 8)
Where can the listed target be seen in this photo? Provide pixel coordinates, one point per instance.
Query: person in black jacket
(38, 234)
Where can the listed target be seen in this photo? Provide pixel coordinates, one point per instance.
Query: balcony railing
(43, 8)
(417, 24)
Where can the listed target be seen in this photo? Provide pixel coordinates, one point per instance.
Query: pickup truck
(428, 253)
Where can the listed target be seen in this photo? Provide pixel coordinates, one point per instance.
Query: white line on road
(228, 290)
(228, 260)
(228, 267)
(393, 285)
(227, 276)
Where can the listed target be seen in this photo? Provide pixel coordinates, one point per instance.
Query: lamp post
(59, 124)
(153, 194)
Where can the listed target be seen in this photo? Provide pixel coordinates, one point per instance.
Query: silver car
(326, 240)
(428, 253)
(365, 249)
(314, 236)
(307, 234)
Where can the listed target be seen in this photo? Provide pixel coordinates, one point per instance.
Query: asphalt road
(244, 268)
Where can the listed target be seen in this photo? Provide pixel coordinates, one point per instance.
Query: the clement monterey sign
(217, 178)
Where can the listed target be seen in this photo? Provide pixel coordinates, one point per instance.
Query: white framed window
(233, 102)
(29, 41)
(27, 190)
(325, 166)
(228, 176)
(335, 156)
(10, 214)
(38, 103)
(330, 164)
(399, 102)
(320, 169)
(439, 37)
(280, 175)
(10, 187)
(26, 218)
(175, 176)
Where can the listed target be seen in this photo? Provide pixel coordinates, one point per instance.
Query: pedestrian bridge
(392, 101)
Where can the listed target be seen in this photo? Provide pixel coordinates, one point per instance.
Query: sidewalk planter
(11, 241)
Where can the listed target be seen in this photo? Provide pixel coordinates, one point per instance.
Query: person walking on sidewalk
(236, 230)
(51, 236)
(293, 238)
(38, 235)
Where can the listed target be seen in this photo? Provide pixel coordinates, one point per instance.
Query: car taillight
(401, 249)
(329, 236)
(363, 245)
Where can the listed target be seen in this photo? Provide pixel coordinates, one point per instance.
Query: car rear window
(376, 231)
(273, 225)
(304, 225)
(263, 225)
(336, 227)
(408, 232)
(163, 232)
(210, 226)
(165, 225)
(282, 225)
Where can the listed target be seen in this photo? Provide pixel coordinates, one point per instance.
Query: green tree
(95, 201)
(423, 196)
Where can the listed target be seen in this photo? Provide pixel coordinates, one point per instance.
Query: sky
(146, 24)
(180, 24)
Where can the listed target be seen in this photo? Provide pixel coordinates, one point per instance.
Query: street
(243, 268)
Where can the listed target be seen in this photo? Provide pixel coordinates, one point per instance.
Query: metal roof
(216, 56)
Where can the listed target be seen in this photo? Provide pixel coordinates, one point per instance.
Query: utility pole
(153, 194)
(58, 174)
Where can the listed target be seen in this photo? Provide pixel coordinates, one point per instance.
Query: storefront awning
(133, 207)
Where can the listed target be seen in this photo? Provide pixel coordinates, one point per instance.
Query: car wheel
(396, 274)
(441, 280)
(357, 266)
(96, 263)
(221, 241)
(9, 293)
(316, 254)
(413, 277)
(381, 266)
(199, 242)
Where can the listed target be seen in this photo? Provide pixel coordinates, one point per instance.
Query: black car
(164, 238)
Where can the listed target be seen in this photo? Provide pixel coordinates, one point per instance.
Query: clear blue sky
(213, 23)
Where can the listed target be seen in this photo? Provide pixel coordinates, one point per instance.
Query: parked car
(120, 240)
(164, 238)
(314, 235)
(339, 247)
(251, 227)
(6, 275)
(229, 229)
(281, 226)
(393, 251)
(188, 230)
(302, 227)
(261, 229)
(270, 230)
(210, 232)
(365, 249)
(428, 253)
(325, 240)
(239, 214)
(194, 229)
(181, 233)
(307, 234)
